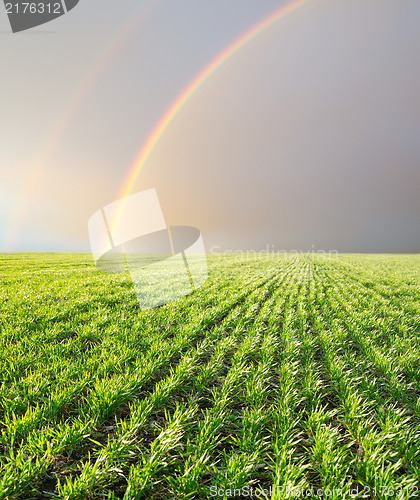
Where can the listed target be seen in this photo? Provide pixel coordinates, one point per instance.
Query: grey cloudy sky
(310, 135)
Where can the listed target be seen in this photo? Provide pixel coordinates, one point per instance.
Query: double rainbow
(162, 125)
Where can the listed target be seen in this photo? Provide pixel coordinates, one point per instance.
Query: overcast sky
(310, 135)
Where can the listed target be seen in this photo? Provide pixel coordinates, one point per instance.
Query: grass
(289, 374)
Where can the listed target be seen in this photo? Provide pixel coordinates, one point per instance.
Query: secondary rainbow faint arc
(72, 103)
(194, 86)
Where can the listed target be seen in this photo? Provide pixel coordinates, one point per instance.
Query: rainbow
(195, 85)
(73, 102)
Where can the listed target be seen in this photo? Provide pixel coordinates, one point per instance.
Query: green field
(294, 372)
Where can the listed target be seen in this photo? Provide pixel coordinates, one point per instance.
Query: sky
(308, 137)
